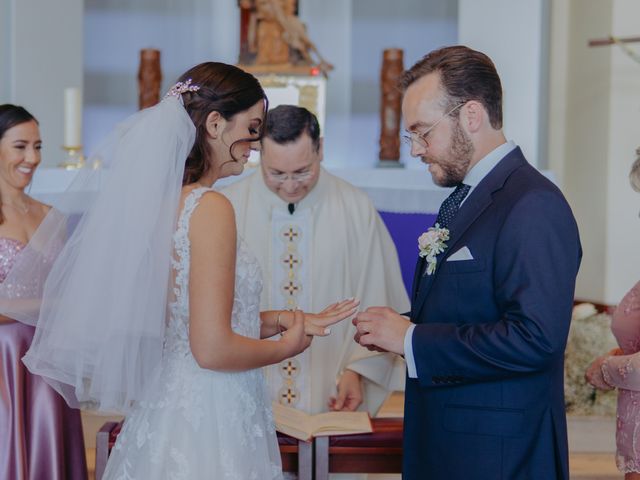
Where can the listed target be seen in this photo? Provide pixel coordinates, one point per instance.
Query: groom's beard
(454, 164)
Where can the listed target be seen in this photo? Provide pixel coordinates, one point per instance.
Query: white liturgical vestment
(333, 246)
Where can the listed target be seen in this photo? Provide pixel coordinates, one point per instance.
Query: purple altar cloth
(405, 228)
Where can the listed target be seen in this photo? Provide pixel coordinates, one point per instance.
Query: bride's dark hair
(225, 89)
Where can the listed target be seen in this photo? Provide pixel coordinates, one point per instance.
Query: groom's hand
(381, 328)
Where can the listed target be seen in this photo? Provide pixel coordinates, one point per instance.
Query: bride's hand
(317, 324)
(294, 338)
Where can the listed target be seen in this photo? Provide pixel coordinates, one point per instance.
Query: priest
(318, 240)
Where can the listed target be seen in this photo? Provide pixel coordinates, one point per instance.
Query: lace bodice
(245, 317)
(194, 422)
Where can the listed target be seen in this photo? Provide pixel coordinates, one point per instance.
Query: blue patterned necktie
(451, 204)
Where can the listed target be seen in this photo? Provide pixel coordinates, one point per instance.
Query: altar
(391, 190)
(407, 200)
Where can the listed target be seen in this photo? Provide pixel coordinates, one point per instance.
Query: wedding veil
(101, 320)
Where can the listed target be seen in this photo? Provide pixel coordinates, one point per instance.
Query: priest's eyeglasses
(295, 177)
(422, 139)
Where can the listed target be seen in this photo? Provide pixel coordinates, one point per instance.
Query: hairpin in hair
(181, 87)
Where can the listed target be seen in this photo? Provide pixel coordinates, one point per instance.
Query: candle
(72, 117)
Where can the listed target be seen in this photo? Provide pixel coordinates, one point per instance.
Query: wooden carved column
(390, 107)
(149, 78)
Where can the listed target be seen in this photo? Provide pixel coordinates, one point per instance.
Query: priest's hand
(381, 328)
(349, 396)
(318, 323)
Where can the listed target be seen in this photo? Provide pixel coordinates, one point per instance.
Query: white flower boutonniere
(431, 243)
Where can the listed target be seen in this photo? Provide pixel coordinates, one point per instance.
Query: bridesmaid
(40, 436)
(620, 369)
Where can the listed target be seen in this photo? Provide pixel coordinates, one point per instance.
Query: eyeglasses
(295, 177)
(422, 139)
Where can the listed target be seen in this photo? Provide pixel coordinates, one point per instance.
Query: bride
(183, 363)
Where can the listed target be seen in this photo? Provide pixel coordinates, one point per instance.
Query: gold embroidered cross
(291, 261)
(289, 368)
(289, 396)
(290, 234)
(291, 288)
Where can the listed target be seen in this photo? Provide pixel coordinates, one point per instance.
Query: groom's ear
(215, 124)
(473, 116)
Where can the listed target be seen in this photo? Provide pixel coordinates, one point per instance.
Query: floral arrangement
(589, 337)
(431, 243)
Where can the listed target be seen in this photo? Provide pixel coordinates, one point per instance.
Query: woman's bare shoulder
(213, 202)
(214, 215)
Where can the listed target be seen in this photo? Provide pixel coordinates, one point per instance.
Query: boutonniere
(431, 243)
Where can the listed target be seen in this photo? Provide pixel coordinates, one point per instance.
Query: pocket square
(463, 254)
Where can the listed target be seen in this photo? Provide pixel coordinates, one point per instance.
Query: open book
(303, 426)
(393, 406)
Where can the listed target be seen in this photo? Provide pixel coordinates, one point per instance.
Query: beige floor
(591, 442)
(592, 448)
(593, 466)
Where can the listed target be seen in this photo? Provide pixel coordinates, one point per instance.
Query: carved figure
(272, 34)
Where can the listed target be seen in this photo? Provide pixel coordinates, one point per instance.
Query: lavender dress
(40, 436)
(623, 372)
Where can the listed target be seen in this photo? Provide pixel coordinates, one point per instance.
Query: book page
(340, 423)
(292, 422)
(303, 426)
(393, 406)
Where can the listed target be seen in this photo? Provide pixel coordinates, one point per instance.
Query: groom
(490, 314)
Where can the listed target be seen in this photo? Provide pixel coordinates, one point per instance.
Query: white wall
(514, 34)
(559, 56)
(5, 49)
(623, 225)
(41, 55)
(329, 27)
(593, 133)
(586, 137)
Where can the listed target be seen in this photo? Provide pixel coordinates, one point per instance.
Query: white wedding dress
(196, 423)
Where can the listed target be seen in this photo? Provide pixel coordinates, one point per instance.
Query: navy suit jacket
(489, 342)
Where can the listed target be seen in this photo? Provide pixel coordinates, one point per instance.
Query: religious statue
(273, 39)
(149, 78)
(390, 106)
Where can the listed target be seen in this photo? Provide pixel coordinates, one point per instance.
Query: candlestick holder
(75, 158)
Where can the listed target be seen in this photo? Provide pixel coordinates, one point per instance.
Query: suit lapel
(479, 199)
